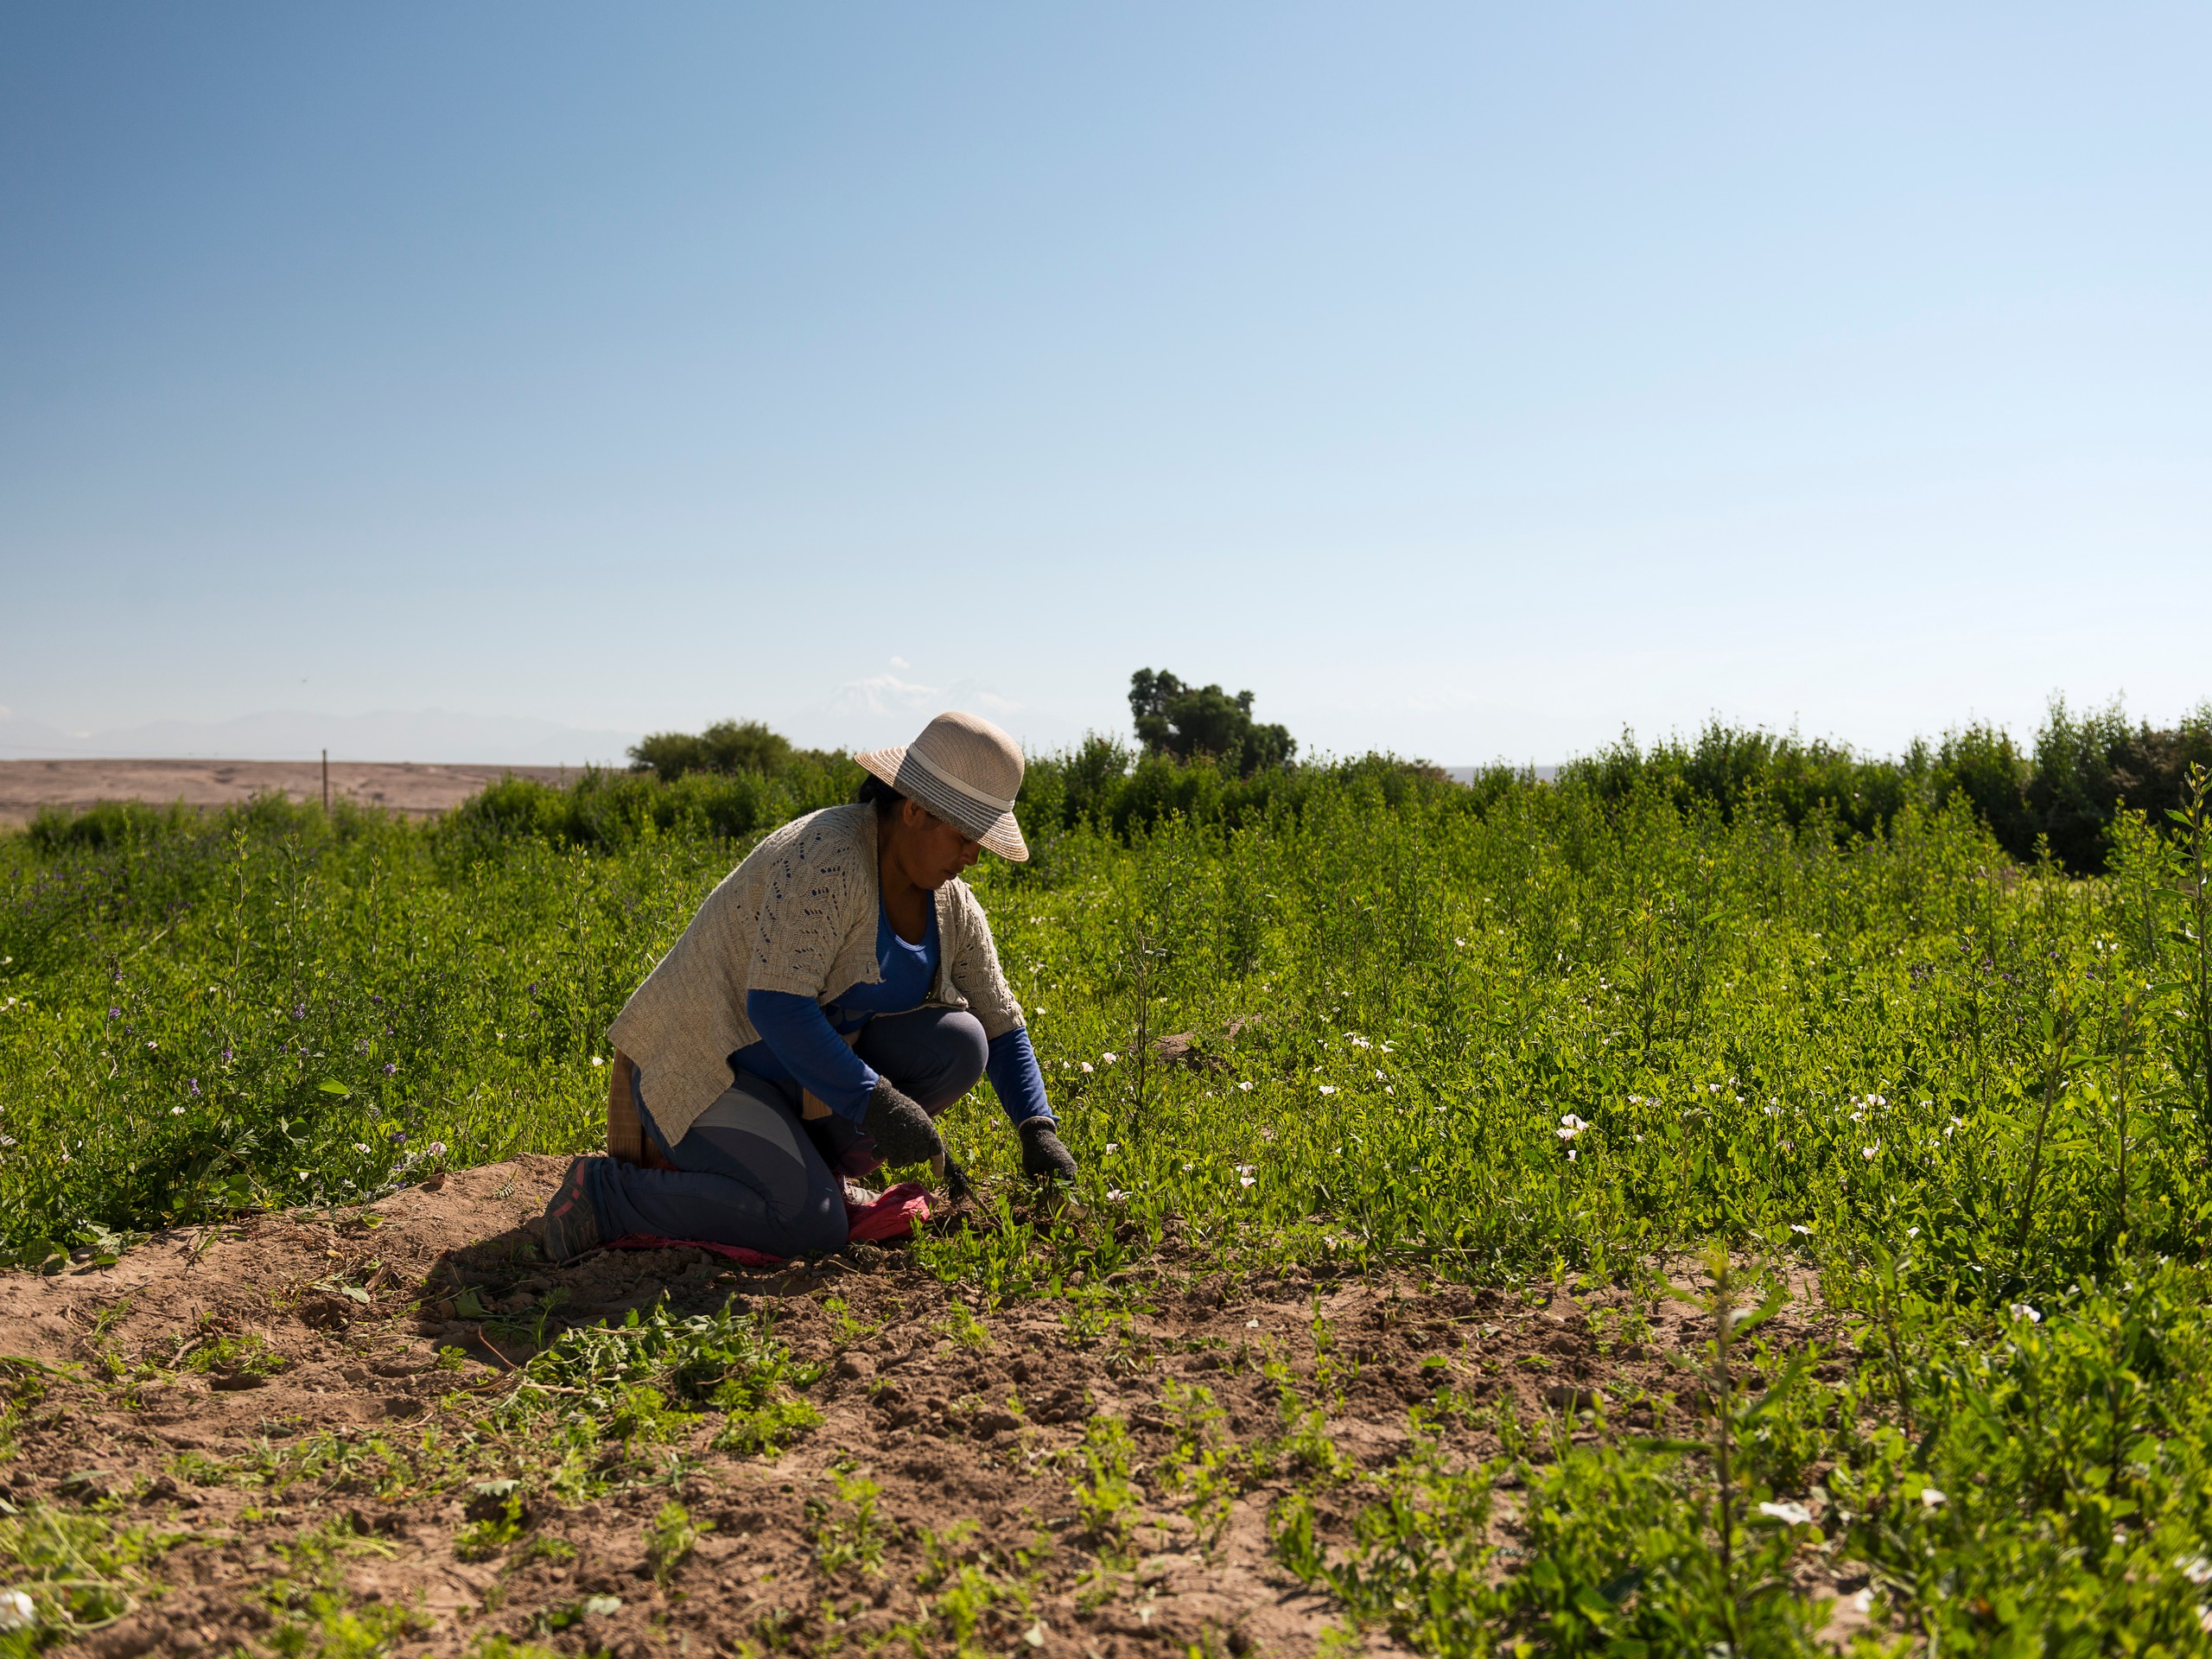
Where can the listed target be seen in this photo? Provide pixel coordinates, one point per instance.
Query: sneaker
(571, 1224)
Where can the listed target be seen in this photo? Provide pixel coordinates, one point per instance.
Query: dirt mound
(307, 1432)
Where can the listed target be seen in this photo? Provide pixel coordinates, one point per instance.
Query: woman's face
(930, 851)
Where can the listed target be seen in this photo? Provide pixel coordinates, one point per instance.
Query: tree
(1188, 721)
(726, 746)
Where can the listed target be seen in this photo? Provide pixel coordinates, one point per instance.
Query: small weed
(498, 1519)
(671, 1537)
(1203, 1469)
(245, 1355)
(848, 1533)
(82, 1570)
(962, 1326)
(963, 1601)
(845, 1330)
(1106, 1497)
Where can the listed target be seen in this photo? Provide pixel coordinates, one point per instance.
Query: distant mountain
(428, 735)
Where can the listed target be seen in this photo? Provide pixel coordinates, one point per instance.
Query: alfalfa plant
(1747, 1598)
(2194, 934)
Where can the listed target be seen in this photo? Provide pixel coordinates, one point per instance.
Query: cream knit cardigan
(797, 915)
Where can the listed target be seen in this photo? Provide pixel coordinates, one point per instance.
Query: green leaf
(332, 1086)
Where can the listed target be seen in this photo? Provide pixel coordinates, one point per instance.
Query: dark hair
(886, 798)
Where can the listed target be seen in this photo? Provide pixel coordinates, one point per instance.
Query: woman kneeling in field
(836, 992)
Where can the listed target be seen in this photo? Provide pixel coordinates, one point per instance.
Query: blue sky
(1470, 382)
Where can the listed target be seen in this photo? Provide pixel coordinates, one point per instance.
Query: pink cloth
(897, 1214)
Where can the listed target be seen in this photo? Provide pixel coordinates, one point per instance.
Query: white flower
(1358, 1041)
(435, 1149)
(596, 1059)
(153, 1045)
(2022, 1311)
(16, 1612)
(1109, 1057)
(1115, 1195)
(1572, 1155)
(1912, 1232)
(1462, 944)
(1245, 1087)
(1245, 1180)
(1328, 1089)
(176, 1111)
(1247, 1169)
(2195, 1568)
(1800, 1227)
(2204, 1615)
(1863, 1602)
(1791, 1514)
(357, 1146)
(1187, 1168)
(1251, 1324)
(1112, 1146)
(1870, 1152)
(1087, 1065)
(1930, 1498)
(1569, 1127)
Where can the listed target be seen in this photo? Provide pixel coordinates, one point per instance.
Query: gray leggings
(748, 1173)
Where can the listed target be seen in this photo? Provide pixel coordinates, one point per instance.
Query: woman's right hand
(901, 1129)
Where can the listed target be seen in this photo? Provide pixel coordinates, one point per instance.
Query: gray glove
(901, 1129)
(1042, 1157)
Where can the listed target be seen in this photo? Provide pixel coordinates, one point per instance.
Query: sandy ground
(265, 1486)
(418, 791)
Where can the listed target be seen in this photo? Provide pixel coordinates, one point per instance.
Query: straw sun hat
(967, 772)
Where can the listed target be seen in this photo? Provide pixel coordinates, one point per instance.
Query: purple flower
(227, 1056)
(115, 1013)
(195, 1088)
(390, 1067)
(299, 1010)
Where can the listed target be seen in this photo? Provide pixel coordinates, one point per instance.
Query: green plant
(849, 1531)
(82, 1572)
(671, 1537)
(962, 1326)
(498, 1519)
(1106, 1499)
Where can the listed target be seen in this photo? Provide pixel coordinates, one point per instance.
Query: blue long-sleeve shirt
(803, 1042)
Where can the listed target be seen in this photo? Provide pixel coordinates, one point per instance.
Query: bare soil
(27, 786)
(981, 1428)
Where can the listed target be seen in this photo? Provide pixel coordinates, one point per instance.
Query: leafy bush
(2084, 771)
(727, 746)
